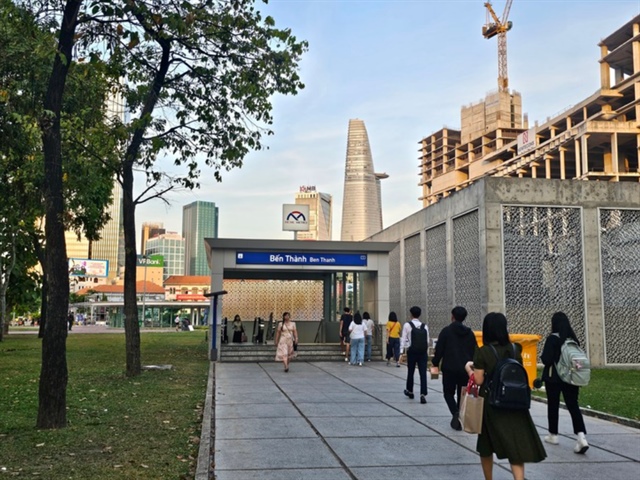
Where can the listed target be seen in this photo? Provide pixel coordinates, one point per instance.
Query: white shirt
(368, 325)
(356, 331)
(405, 337)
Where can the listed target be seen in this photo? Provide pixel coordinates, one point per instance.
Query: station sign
(306, 258)
(295, 217)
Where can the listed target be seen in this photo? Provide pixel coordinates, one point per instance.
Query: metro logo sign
(295, 217)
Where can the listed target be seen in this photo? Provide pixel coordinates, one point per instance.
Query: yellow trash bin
(529, 351)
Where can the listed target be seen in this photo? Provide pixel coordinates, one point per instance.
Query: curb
(205, 465)
(595, 413)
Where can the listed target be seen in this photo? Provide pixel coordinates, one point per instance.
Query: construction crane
(500, 27)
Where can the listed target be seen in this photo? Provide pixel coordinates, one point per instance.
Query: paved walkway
(326, 421)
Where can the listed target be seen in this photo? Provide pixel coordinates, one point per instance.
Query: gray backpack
(573, 367)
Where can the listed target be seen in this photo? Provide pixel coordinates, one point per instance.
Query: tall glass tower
(361, 202)
(199, 221)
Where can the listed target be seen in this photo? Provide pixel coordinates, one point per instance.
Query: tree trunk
(131, 325)
(43, 307)
(52, 407)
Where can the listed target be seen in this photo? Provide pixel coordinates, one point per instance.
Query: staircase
(307, 352)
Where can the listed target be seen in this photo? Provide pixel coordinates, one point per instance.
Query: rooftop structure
(320, 213)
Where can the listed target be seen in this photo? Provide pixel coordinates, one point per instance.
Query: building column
(584, 147)
(576, 144)
(562, 165)
(605, 75)
(615, 168)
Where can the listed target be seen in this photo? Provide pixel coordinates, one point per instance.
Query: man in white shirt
(414, 342)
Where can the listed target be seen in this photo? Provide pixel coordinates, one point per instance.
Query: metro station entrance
(313, 281)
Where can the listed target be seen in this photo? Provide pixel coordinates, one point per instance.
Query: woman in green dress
(509, 434)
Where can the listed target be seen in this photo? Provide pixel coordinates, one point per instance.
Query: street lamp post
(144, 289)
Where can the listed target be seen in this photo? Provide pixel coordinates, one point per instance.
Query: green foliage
(198, 78)
(118, 428)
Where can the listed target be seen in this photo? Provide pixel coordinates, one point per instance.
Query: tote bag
(471, 408)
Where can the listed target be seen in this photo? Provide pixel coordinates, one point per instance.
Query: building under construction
(596, 139)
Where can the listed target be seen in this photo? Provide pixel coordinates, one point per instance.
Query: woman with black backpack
(509, 433)
(560, 331)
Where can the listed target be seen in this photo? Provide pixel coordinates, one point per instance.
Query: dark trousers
(393, 349)
(570, 394)
(419, 359)
(452, 384)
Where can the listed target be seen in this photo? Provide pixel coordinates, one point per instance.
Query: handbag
(295, 346)
(403, 359)
(244, 337)
(471, 408)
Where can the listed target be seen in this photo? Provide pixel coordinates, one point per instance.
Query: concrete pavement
(326, 421)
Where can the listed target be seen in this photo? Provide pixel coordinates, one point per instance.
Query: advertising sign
(526, 141)
(84, 267)
(295, 217)
(306, 258)
(155, 260)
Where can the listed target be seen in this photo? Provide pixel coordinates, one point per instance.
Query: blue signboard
(306, 258)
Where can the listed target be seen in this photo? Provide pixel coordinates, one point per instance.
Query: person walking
(393, 338)
(455, 347)
(345, 342)
(560, 331)
(369, 326)
(286, 337)
(510, 434)
(357, 334)
(415, 341)
(238, 329)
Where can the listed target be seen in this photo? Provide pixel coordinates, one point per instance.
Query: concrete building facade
(528, 248)
(150, 230)
(199, 221)
(596, 139)
(362, 203)
(320, 213)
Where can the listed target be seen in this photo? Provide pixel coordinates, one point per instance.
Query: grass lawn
(147, 427)
(611, 391)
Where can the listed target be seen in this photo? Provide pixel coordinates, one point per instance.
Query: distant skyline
(405, 68)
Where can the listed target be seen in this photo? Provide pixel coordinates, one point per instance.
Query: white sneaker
(360, 364)
(346, 359)
(581, 445)
(552, 439)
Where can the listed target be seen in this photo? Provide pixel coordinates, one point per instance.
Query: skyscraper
(150, 230)
(320, 213)
(361, 203)
(199, 221)
(111, 244)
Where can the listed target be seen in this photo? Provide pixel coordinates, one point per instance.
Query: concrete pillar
(605, 76)
(614, 153)
(562, 165)
(593, 288)
(576, 145)
(584, 150)
(635, 48)
(491, 266)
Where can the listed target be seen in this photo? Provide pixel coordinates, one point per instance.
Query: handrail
(320, 328)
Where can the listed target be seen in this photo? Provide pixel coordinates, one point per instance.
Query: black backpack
(418, 339)
(509, 384)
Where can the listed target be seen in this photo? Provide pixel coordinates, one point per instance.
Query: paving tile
(248, 428)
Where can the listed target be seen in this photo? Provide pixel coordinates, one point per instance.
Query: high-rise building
(150, 230)
(320, 213)
(111, 244)
(171, 247)
(361, 202)
(199, 221)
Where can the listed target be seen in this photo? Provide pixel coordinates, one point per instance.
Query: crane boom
(499, 27)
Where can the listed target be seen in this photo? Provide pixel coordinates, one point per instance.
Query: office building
(171, 247)
(199, 221)
(111, 244)
(320, 213)
(361, 202)
(150, 230)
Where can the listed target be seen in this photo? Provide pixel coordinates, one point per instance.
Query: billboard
(295, 217)
(527, 141)
(155, 260)
(86, 267)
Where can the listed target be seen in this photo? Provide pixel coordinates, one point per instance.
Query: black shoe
(423, 399)
(408, 394)
(455, 423)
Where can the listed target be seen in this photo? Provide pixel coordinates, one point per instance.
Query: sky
(405, 67)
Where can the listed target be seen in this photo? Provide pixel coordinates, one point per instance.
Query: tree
(198, 78)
